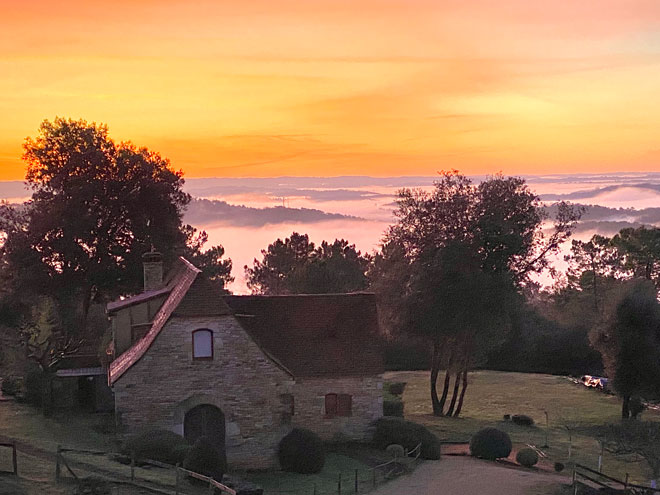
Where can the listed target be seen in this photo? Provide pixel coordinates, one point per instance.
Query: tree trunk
(454, 397)
(435, 369)
(47, 393)
(625, 409)
(460, 399)
(445, 389)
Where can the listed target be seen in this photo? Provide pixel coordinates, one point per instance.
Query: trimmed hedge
(527, 457)
(522, 420)
(392, 407)
(490, 443)
(408, 434)
(203, 458)
(301, 451)
(158, 445)
(394, 388)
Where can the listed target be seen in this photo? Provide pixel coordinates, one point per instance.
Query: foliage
(522, 420)
(490, 443)
(205, 459)
(527, 457)
(158, 445)
(396, 450)
(96, 207)
(629, 341)
(393, 406)
(301, 451)
(34, 387)
(559, 466)
(93, 485)
(11, 385)
(394, 388)
(295, 266)
(636, 439)
(450, 267)
(408, 434)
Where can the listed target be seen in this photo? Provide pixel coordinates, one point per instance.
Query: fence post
(374, 478)
(625, 484)
(600, 458)
(14, 459)
(356, 481)
(132, 465)
(58, 470)
(574, 481)
(314, 488)
(339, 485)
(210, 486)
(176, 483)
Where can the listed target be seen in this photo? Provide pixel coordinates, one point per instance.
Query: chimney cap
(152, 257)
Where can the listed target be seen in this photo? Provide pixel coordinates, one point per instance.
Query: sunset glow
(335, 87)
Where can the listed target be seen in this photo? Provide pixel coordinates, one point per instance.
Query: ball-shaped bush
(396, 450)
(522, 420)
(490, 443)
(204, 459)
(157, 445)
(301, 451)
(559, 466)
(527, 457)
(391, 430)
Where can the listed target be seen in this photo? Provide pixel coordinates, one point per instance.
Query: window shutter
(345, 404)
(331, 405)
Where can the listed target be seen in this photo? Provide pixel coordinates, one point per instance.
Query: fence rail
(180, 472)
(14, 459)
(581, 472)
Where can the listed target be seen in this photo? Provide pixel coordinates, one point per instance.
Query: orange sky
(334, 87)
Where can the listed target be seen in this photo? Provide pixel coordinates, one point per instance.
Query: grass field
(492, 394)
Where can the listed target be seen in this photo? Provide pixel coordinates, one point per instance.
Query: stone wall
(367, 406)
(247, 386)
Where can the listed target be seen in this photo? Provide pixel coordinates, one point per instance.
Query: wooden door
(206, 421)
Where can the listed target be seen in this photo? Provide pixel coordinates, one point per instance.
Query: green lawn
(492, 394)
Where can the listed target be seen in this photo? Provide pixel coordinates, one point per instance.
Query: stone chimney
(152, 263)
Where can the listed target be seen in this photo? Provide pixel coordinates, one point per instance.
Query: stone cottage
(243, 370)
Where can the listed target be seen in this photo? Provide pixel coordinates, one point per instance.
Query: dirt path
(469, 476)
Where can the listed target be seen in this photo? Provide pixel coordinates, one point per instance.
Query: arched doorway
(207, 421)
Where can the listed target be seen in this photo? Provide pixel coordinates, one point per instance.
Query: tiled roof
(183, 278)
(130, 301)
(315, 335)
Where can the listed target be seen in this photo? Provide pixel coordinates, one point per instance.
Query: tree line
(456, 272)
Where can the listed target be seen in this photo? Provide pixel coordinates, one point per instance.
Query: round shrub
(393, 407)
(204, 458)
(527, 457)
(559, 466)
(301, 451)
(157, 445)
(396, 388)
(396, 450)
(522, 420)
(490, 443)
(506, 417)
(408, 434)
(11, 385)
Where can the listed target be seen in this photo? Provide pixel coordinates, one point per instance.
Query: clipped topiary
(301, 451)
(527, 457)
(393, 407)
(158, 445)
(396, 450)
(204, 459)
(490, 443)
(559, 466)
(395, 388)
(399, 431)
(522, 420)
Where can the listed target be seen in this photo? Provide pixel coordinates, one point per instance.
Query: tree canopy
(296, 266)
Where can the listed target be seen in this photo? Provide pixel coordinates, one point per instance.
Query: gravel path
(469, 476)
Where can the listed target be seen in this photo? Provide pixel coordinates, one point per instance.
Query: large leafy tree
(296, 266)
(459, 254)
(629, 342)
(96, 207)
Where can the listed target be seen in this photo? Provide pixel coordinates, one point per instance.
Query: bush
(394, 388)
(34, 387)
(204, 458)
(301, 451)
(506, 417)
(158, 445)
(559, 466)
(491, 444)
(11, 385)
(396, 450)
(522, 420)
(407, 434)
(527, 457)
(392, 407)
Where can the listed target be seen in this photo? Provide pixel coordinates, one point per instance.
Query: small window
(202, 344)
(338, 405)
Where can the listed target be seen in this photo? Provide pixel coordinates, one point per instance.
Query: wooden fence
(14, 459)
(583, 475)
(180, 472)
